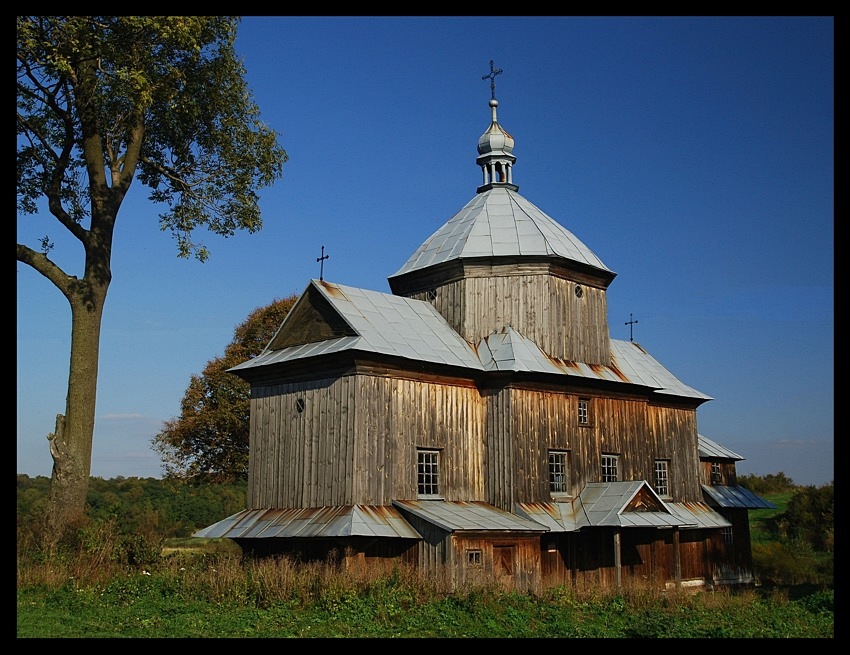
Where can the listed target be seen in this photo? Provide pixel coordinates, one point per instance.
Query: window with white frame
(609, 468)
(428, 473)
(559, 472)
(583, 411)
(662, 477)
(727, 535)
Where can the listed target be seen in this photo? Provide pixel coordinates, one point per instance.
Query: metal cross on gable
(492, 76)
(631, 323)
(322, 265)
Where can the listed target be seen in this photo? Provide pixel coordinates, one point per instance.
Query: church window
(662, 477)
(559, 472)
(609, 468)
(428, 473)
(583, 411)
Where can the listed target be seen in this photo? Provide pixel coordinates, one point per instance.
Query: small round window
(579, 291)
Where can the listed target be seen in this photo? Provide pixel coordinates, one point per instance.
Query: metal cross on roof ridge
(492, 76)
(630, 323)
(322, 265)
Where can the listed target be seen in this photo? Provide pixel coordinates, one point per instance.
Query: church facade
(480, 420)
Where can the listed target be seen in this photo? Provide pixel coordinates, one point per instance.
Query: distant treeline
(163, 509)
(146, 506)
(772, 483)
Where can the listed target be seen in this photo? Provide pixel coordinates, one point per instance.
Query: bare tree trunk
(71, 442)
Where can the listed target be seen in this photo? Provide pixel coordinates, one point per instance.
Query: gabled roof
(734, 496)
(712, 449)
(607, 503)
(495, 223)
(469, 516)
(386, 324)
(380, 323)
(345, 521)
(619, 504)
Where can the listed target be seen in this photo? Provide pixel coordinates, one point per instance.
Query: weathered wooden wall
(523, 424)
(355, 437)
(733, 561)
(542, 307)
(587, 558)
(728, 473)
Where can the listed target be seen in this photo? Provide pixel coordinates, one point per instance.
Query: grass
(761, 518)
(195, 588)
(217, 595)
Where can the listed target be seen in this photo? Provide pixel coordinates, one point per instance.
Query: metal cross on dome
(492, 76)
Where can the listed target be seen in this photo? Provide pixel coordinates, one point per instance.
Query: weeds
(97, 583)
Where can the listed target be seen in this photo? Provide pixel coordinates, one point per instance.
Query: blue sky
(693, 155)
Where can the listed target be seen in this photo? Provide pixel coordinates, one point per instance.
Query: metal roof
(499, 222)
(726, 496)
(698, 515)
(344, 521)
(600, 504)
(459, 515)
(709, 448)
(387, 324)
(605, 504)
(639, 367)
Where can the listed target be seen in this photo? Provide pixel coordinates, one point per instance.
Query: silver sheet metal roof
(698, 515)
(499, 222)
(604, 504)
(346, 521)
(457, 515)
(727, 496)
(709, 448)
(387, 324)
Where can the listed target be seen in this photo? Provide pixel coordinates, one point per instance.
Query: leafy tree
(772, 483)
(102, 100)
(810, 517)
(209, 441)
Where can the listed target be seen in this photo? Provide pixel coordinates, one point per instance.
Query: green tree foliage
(209, 440)
(101, 101)
(145, 507)
(772, 483)
(810, 517)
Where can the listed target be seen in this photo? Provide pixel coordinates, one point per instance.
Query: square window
(474, 558)
(559, 471)
(716, 475)
(609, 468)
(662, 477)
(428, 473)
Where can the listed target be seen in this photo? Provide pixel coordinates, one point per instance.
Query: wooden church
(480, 420)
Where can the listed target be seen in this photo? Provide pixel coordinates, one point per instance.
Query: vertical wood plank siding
(541, 307)
(355, 431)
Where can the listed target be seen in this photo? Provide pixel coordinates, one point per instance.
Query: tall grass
(100, 583)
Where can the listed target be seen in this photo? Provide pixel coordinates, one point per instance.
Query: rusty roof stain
(467, 515)
(607, 504)
(342, 521)
(386, 324)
